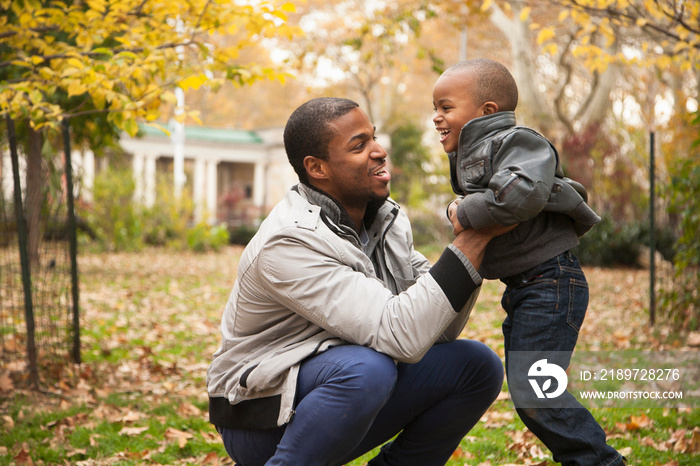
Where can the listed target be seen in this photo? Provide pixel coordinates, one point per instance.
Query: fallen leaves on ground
(160, 313)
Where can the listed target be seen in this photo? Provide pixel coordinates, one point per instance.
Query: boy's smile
(454, 107)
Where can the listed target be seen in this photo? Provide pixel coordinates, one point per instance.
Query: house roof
(204, 133)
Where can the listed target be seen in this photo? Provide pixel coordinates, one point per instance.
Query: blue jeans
(351, 399)
(546, 307)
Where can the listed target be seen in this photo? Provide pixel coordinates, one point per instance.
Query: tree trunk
(35, 176)
(518, 35)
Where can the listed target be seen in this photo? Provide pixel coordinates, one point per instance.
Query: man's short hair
(308, 131)
(491, 80)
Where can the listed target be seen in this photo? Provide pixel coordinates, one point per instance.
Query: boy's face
(454, 107)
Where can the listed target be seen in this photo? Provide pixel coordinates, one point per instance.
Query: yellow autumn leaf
(99, 101)
(194, 114)
(75, 87)
(544, 35)
(74, 62)
(130, 126)
(485, 5)
(157, 126)
(20, 63)
(289, 7)
(551, 49)
(168, 97)
(680, 46)
(193, 82)
(525, 13)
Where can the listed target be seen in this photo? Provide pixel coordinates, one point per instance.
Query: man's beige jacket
(305, 284)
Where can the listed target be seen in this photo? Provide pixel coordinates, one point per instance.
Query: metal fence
(38, 296)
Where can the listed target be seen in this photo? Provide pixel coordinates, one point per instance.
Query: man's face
(356, 168)
(454, 107)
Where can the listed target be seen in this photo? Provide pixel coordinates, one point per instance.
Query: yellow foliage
(545, 34)
(525, 13)
(127, 55)
(193, 82)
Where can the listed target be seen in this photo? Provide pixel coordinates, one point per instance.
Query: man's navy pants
(351, 399)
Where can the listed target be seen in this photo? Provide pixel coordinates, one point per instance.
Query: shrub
(680, 301)
(167, 222)
(619, 244)
(431, 231)
(242, 234)
(114, 216)
(203, 237)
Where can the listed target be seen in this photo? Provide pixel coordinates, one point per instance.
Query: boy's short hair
(492, 82)
(308, 131)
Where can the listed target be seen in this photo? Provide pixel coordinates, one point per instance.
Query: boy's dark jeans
(546, 307)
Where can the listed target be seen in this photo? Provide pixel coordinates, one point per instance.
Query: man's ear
(315, 167)
(489, 108)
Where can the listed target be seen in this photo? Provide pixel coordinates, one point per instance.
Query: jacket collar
(375, 218)
(482, 127)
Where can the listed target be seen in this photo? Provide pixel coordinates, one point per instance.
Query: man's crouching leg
(435, 404)
(339, 393)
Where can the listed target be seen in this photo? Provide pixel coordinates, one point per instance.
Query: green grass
(151, 323)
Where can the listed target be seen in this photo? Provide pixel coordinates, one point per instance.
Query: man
(329, 335)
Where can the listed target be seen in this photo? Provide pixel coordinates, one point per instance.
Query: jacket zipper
(500, 194)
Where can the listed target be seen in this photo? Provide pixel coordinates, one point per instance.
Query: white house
(235, 176)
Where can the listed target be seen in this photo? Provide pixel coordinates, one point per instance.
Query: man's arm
(456, 270)
(470, 244)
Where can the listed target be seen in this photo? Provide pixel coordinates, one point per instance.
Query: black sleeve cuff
(454, 279)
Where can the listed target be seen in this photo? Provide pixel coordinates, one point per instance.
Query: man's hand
(457, 227)
(473, 242)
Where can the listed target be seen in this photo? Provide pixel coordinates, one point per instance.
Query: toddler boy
(507, 175)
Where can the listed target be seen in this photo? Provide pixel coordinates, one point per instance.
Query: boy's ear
(489, 107)
(315, 167)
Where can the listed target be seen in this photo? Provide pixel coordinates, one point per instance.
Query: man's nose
(378, 151)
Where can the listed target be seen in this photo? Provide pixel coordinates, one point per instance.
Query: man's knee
(484, 365)
(374, 372)
(363, 369)
(493, 367)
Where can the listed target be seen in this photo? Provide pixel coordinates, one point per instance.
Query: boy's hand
(457, 227)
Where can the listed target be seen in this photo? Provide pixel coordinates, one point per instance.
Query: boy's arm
(523, 174)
